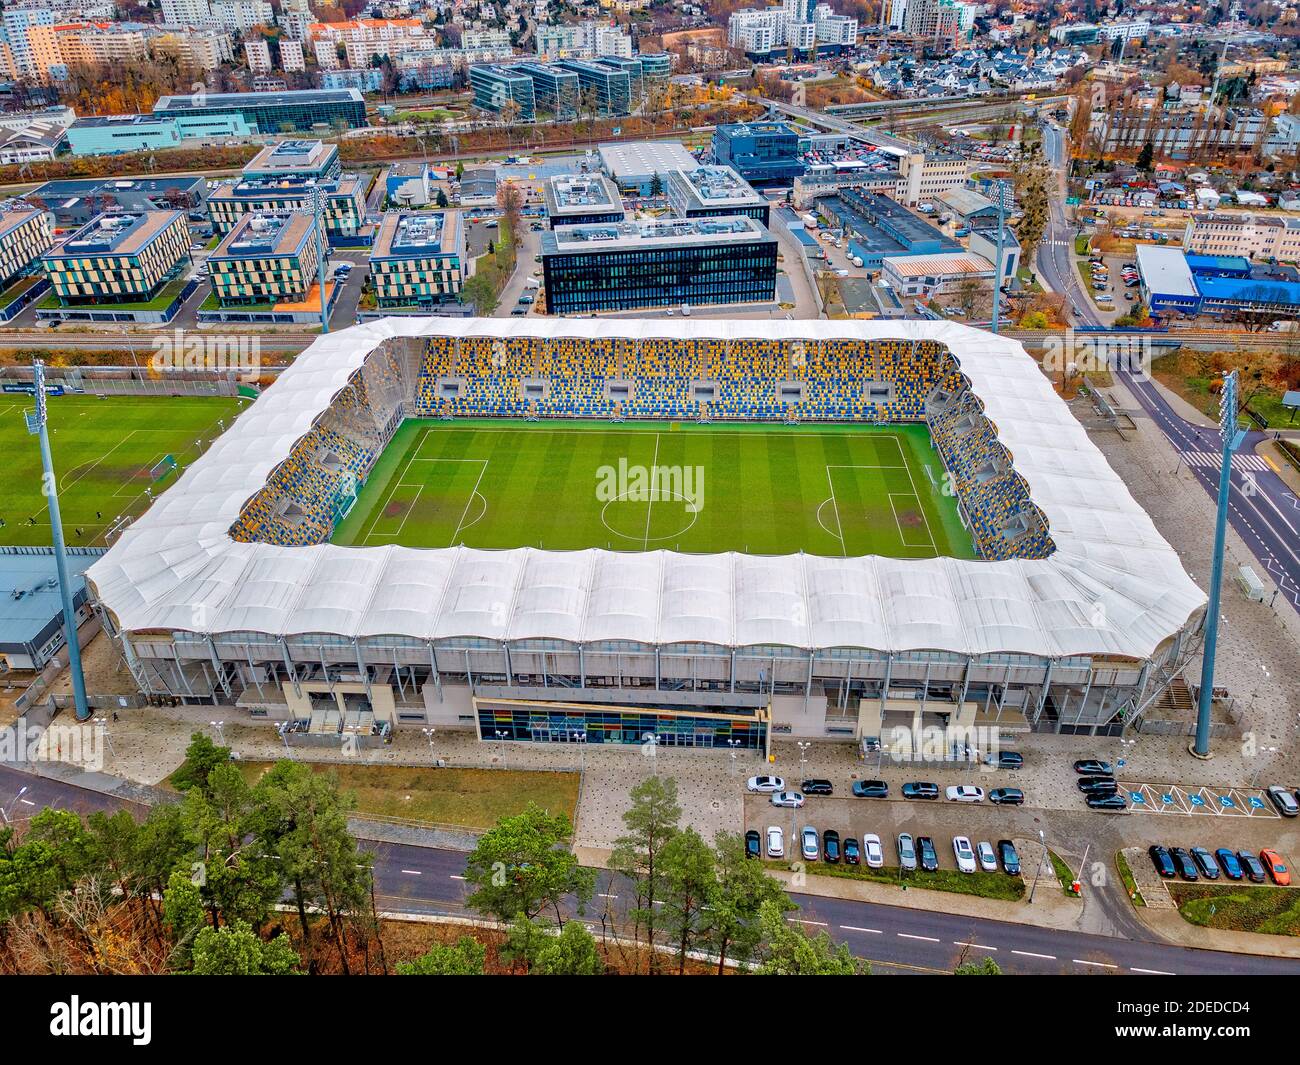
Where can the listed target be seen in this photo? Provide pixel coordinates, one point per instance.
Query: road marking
(976, 946)
(855, 928)
(817, 924)
(1031, 954)
(1098, 964)
(605, 896)
(412, 872)
(1149, 972)
(924, 939)
(455, 877)
(27, 802)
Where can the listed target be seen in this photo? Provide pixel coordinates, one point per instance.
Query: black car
(1007, 797)
(871, 789)
(926, 854)
(1097, 785)
(1205, 863)
(1251, 866)
(920, 789)
(830, 846)
(1010, 859)
(753, 844)
(1186, 866)
(816, 787)
(852, 855)
(1162, 861)
(1092, 767)
(1109, 801)
(1007, 760)
(1228, 862)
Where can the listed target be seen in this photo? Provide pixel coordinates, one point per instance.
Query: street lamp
(503, 736)
(428, 735)
(221, 735)
(733, 744)
(803, 753)
(283, 729)
(3, 812)
(580, 738)
(1041, 859)
(102, 722)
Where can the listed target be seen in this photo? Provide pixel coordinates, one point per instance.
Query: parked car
(1163, 862)
(871, 789)
(852, 855)
(920, 789)
(1097, 785)
(518, 310)
(964, 793)
(1284, 801)
(816, 787)
(964, 854)
(988, 858)
(1110, 801)
(1010, 858)
(809, 844)
(1185, 863)
(765, 784)
(1006, 760)
(792, 799)
(927, 855)
(906, 852)
(1228, 863)
(753, 845)
(1007, 797)
(831, 846)
(1251, 866)
(1276, 867)
(875, 852)
(775, 842)
(1092, 767)
(1205, 863)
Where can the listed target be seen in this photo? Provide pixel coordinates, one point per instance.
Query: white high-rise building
(240, 16)
(291, 55)
(757, 31)
(258, 53)
(186, 12)
(833, 28)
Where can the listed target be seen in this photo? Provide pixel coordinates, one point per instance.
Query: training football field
(107, 452)
(760, 489)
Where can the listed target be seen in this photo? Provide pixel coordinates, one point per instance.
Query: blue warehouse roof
(31, 571)
(1249, 290)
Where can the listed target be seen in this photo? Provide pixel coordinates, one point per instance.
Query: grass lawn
(984, 885)
(166, 296)
(1063, 872)
(1240, 907)
(104, 450)
(471, 798)
(17, 289)
(1196, 391)
(1126, 877)
(836, 490)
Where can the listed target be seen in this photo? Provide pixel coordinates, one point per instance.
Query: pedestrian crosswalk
(1212, 459)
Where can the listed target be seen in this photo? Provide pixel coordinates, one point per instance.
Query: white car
(988, 859)
(874, 854)
(775, 842)
(810, 844)
(792, 799)
(961, 849)
(964, 793)
(765, 784)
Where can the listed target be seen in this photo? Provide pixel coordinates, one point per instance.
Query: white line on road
(855, 928)
(412, 872)
(1098, 964)
(455, 877)
(924, 939)
(1149, 972)
(1031, 954)
(976, 946)
(800, 920)
(604, 896)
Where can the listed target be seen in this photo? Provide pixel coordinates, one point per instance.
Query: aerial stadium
(707, 532)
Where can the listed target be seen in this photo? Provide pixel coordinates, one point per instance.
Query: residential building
(712, 192)
(196, 50)
(240, 16)
(258, 55)
(418, 260)
(265, 259)
(25, 235)
(186, 12)
(491, 40)
(118, 258)
(665, 263)
(575, 200)
(292, 58)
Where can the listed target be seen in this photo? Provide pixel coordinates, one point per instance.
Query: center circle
(667, 515)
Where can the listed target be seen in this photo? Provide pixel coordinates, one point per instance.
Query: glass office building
(274, 112)
(612, 88)
(554, 88)
(493, 86)
(632, 265)
(763, 153)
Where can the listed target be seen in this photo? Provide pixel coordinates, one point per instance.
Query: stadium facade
(228, 591)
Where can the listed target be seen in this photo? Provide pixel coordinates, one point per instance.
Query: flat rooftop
(717, 186)
(34, 575)
(292, 156)
(580, 194)
(289, 186)
(288, 98)
(11, 220)
(662, 233)
(259, 234)
(115, 234)
(642, 158)
(409, 236)
(64, 187)
(91, 121)
(1165, 271)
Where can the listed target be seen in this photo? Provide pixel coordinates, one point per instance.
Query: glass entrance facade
(569, 724)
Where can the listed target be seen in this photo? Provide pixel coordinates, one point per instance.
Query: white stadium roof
(1112, 587)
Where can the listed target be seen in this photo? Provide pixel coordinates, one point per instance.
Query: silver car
(906, 852)
(810, 844)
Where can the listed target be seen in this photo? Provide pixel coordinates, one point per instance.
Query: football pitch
(760, 489)
(106, 452)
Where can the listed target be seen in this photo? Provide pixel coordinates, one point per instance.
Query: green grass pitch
(103, 452)
(760, 489)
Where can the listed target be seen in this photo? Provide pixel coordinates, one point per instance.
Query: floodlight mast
(36, 420)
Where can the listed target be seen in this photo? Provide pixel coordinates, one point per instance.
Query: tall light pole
(36, 426)
(1231, 437)
(1001, 187)
(317, 211)
(3, 812)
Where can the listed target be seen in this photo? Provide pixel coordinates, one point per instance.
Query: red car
(1276, 867)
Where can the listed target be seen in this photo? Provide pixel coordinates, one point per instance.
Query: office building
(1252, 236)
(418, 260)
(611, 89)
(343, 205)
(407, 184)
(117, 258)
(265, 259)
(75, 201)
(494, 86)
(24, 237)
(712, 192)
(637, 265)
(581, 200)
(299, 110)
(554, 89)
(302, 158)
(927, 276)
(763, 153)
